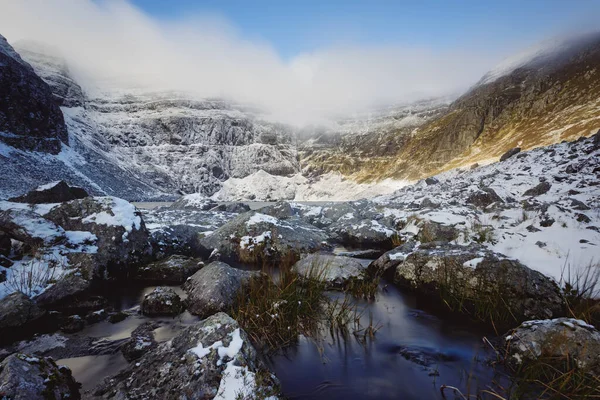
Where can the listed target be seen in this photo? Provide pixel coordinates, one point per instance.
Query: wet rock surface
(140, 342)
(174, 269)
(161, 301)
(19, 313)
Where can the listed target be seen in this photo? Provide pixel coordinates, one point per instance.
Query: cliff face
(30, 119)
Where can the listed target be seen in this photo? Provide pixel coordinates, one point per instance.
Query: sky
(299, 61)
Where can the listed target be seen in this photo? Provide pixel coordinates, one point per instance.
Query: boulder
(122, 238)
(255, 237)
(66, 291)
(366, 233)
(431, 181)
(234, 208)
(5, 244)
(430, 231)
(18, 316)
(334, 271)
(388, 262)
(279, 210)
(214, 288)
(30, 228)
(141, 341)
(539, 189)
(72, 324)
(479, 281)
(161, 301)
(483, 198)
(54, 192)
(175, 239)
(554, 341)
(323, 216)
(195, 201)
(510, 153)
(174, 269)
(24, 377)
(211, 359)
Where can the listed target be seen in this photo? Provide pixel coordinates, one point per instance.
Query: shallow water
(338, 366)
(254, 205)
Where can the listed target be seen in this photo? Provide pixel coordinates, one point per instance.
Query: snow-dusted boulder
(53, 192)
(555, 341)
(174, 269)
(279, 210)
(388, 262)
(367, 233)
(334, 271)
(195, 201)
(323, 216)
(252, 237)
(480, 280)
(24, 377)
(211, 359)
(141, 341)
(161, 301)
(65, 292)
(122, 239)
(214, 288)
(30, 228)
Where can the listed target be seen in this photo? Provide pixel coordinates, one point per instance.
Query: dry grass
(581, 289)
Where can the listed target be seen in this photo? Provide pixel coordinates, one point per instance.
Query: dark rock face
(235, 208)
(57, 192)
(161, 301)
(212, 359)
(193, 202)
(510, 153)
(18, 313)
(333, 271)
(30, 119)
(174, 269)
(214, 288)
(5, 244)
(553, 341)
(68, 289)
(475, 274)
(23, 377)
(538, 190)
(252, 237)
(484, 197)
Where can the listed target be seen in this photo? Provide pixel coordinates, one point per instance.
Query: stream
(412, 353)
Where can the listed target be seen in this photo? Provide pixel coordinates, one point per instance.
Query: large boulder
(30, 228)
(211, 359)
(510, 153)
(68, 290)
(333, 271)
(387, 263)
(279, 210)
(254, 237)
(323, 216)
(194, 201)
(54, 192)
(161, 301)
(556, 341)
(19, 315)
(30, 118)
(538, 190)
(174, 269)
(483, 198)
(365, 233)
(481, 282)
(24, 377)
(214, 288)
(122, 238)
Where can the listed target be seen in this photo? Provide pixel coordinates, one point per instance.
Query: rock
(174, 269)
(161, 301)
(538, 190)
(235, 208)
(578, 205)
(24, 377)
(72, 324)
(68, 289)
(122, 238)
(211, 359)
(141, 341)
(255, 237)
(368, 254)
(5, 244)
(54, 192)
(431, 181)
(484, 198)
(546, 222)
(554, 341)
(365, 233)
(430, 231)
(334, 271)
(29, 116)
(175, 239)
(19, 315)
(480, 279)
(583, 218)
(279, 210)
(388, 262)
(214, 288)
(195, 201)
(119, 316)
(510, 153)
(30, 228)
(323, 216)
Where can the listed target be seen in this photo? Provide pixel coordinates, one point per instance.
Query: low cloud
(114, 41)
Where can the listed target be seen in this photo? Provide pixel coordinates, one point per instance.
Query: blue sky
(294, 27)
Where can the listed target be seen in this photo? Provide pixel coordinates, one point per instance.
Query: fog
(113, 40)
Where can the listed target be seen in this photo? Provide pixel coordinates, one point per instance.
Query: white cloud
(206, 55)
